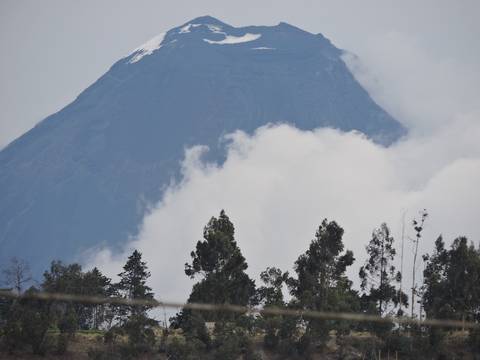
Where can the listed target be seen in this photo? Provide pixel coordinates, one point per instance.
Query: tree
(321, 283)
(71, 316)
(452, 283)
(65, 279)
(99, 285)
(463, 276)
(220, 265)
(16, 274)
(418, 227)
(27, 322)
(271, 295)
(133, 285)
(133, 318)
(29, 319)
(379, 276)
(434, 299)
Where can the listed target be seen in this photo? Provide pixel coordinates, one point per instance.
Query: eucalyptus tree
(321, 283)
(379, 277)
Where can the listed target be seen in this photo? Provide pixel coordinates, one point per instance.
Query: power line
(239, 309)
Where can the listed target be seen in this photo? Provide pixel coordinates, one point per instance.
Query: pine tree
(133, 284)
(134, 319)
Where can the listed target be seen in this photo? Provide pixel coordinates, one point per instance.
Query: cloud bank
(279, 183)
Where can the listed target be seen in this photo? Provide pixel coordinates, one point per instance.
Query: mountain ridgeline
(84, 176)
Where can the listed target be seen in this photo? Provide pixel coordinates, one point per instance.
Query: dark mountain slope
(83, 176)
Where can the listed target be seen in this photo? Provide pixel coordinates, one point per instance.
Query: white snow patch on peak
(263, 48)
(148, 48)
(229, 39)
(215, 29)
(186, 28)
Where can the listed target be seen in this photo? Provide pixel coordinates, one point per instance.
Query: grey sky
(421, 63)
(53, 49)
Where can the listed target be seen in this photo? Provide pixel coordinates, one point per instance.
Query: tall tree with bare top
(379, 277)
(418, 226)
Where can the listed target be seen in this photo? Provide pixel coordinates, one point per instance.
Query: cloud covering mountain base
(278, 184)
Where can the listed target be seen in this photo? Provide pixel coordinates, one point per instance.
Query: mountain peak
(207, 29)
(84, 176)
(204, 20)
(288, 26)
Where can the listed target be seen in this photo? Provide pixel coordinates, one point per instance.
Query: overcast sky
(53, 49)
(418, 59)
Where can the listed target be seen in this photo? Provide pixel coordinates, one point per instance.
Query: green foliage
(379, 280)
(451, 290)
(139, 329)
(193, 325)
(321, 283)
(452, 284)
(133, 318)
(66, 279)
(27, 323)
(452, 281)
(67, 324)
(96, 284)
(133, 285)
(231, 342)
(69, 316)
(271, 295)
(219, 263)
(132, 321)
(12, 329)
(379, 275)
(288, 336)
(181, 349)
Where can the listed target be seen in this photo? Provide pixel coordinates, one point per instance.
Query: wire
(240, 309)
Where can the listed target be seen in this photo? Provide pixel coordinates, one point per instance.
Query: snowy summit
(124, 136)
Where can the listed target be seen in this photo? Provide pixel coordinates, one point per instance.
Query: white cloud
(278, 184)
(422, 89)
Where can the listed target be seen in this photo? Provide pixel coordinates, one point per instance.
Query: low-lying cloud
(279, 183)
